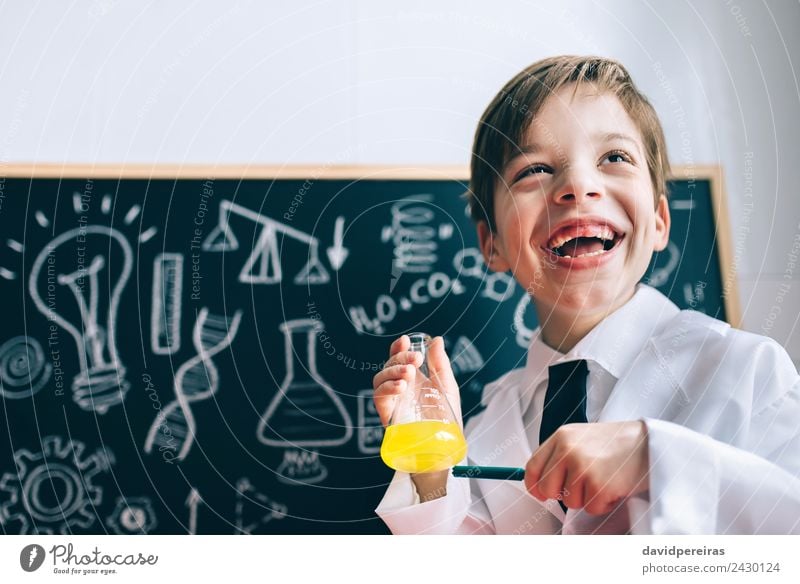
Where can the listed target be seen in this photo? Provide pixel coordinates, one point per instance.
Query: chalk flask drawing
(306, 411)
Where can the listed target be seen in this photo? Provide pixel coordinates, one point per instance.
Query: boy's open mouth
(586, 240)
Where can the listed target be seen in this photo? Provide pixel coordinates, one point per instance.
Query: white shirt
(722, 409)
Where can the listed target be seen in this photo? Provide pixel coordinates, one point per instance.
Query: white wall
(338, 82)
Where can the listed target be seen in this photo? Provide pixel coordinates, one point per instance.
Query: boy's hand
(400, 370)
(591, 466)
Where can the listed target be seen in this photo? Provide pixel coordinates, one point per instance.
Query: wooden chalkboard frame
(712, 173)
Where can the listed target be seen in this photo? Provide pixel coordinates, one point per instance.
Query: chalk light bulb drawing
(97, 259)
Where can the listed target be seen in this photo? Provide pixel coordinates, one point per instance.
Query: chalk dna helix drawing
(73, 300)
(53, 491)
(197, 379)
(24, 370)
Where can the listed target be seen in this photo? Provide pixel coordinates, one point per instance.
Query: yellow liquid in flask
(425, 446)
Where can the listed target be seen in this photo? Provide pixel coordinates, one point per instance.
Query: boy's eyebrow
(611, 136)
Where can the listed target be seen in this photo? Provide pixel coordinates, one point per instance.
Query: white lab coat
(722, 409)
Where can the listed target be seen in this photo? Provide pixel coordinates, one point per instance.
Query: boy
(630, 416)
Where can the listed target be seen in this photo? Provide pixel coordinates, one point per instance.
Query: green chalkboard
(191, 350)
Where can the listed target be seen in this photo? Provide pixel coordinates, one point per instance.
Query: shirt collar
(612, 345)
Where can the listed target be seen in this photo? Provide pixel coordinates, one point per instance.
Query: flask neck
(301, 355)
(419, 344)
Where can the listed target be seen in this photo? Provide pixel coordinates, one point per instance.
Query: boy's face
(574, 212)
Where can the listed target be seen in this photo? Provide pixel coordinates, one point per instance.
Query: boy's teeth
(599, 231)
(587, 255)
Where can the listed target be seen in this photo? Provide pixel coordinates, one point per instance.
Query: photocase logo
(31, 557)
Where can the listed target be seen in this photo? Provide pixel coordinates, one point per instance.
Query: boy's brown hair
(509, 115)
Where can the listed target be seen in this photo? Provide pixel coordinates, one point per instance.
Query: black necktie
(565, 400)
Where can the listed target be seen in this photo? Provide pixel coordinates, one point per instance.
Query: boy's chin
(590, 297)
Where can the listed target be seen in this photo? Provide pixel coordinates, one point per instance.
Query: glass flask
(306, 411)
(423, 434)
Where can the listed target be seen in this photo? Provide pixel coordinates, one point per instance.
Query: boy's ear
(662, 223)
(489, 249)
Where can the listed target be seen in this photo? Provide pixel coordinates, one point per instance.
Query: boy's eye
(617, 156)
(530, 170)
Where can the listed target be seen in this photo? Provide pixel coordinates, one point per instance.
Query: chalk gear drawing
(52, 490)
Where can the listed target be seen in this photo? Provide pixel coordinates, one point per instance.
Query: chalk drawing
(263, 265)
(23, 368)
(101, 381)
(132, 516)
(193, 502)
(197, 379)
(305, 411)
(165, 309)
(465, 357)
(370, 430)
(53, 490)
(661, 275)
(254, 509)
(301, 466)
(337, 253)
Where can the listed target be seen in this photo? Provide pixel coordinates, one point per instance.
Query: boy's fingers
(534, 468)
(393, 373)
(554, 474)
(573, 489)
(439, 365)
(404, 358)
(399, 344)
(385, 398)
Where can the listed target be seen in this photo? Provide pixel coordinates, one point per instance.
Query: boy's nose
(578, 186)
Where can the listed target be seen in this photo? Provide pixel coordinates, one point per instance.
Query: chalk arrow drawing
(337, 253)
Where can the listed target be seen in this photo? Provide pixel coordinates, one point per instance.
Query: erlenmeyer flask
(423, 434)
(305, 411)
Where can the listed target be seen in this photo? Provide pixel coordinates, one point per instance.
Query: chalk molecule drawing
(63, 469)
(24, 370)
(174, 427)
(660, 276)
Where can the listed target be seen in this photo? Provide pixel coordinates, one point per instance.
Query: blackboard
(191, 350)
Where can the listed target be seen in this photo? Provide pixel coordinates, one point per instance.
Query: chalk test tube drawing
(301, 467)
(24, 370)
(660, 276)
(101, 381)
(53, 490)
(254, 509)
(165, 309)
(197, 379)
(263, 265)
(306, 411)
(132, 516)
